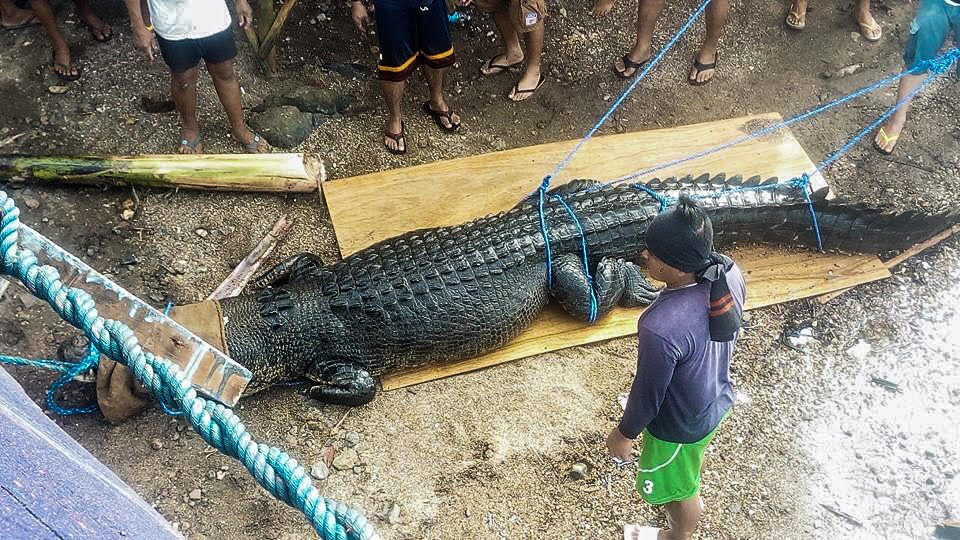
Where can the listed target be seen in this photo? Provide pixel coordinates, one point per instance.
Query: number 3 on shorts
(648, 486)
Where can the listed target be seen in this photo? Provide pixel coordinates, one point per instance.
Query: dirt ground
(818, 447)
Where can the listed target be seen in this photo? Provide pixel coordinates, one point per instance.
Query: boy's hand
(144, 41)
(244, 13)
(619, 446)
(360, 15)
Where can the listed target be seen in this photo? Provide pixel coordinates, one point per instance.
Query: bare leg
(869, 29)
(716, 18)
(393, 93)
(100, 30)
(12, 16)
(512, 53)
(228, 90)
(682, 517)
(183, 88)
(61, 50)
(601, 7)
(891, 129)
(437, 103)
(531, 72)
(648, 11)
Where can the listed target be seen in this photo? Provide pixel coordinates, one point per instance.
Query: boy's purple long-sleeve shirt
(682, 387)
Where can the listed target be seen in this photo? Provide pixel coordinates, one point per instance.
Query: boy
(186, 32)
(682, 388)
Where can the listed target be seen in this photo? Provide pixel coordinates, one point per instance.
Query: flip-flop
(437, 115)
(107, 36)
(632, 531)
(191, 145)
(630, 64)
(29, 22)
(253, 147)
(794, 20)
(495, 69)
(703, 67)
(517, 91)
(397, 138)
(65, 77)
(871, 33)
(886, 139)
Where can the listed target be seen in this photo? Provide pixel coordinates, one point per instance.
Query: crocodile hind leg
(342, 383)
(296, 268)
(616, 282)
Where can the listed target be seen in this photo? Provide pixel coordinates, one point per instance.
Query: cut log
(238, 279)
(229, 172)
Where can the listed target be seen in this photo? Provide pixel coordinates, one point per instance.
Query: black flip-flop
(517, 91)
(397, 138)
(437, 115)
(496, 69)
(65, 77)
(703, 67)
(630, 64)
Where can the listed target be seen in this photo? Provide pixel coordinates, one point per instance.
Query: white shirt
(188, 19)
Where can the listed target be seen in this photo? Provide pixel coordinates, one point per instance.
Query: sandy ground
(487, 455)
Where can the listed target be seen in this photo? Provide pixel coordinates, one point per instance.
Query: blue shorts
(412, 32)
(184, 54)
(929, 31)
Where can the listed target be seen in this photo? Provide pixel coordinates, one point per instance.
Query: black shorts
(412, 32)
(184, 54)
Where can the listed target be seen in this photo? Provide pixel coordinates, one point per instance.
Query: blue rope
(586, 262)
(623, 96)
(543, 230)
(273, 469)
(938, 65)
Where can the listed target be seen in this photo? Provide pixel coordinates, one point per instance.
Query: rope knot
(546, 182)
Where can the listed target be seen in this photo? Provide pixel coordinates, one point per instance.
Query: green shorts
(670, 471)
(929, 30)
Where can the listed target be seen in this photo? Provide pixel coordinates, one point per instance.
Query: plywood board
(366, 209)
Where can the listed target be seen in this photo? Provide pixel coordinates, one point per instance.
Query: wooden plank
(369, 208)
(773, 277)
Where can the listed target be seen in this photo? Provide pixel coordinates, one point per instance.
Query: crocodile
(449, 293)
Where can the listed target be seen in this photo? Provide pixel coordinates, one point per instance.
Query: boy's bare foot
(17, 18)
(797, 17)
(601, 7)
(62, 64)
(100, 30)
(886, 138)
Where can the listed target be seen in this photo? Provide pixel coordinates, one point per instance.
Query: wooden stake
(241, 275)
(269, 40)
(896, 261)
(263, 20)
(232, 172)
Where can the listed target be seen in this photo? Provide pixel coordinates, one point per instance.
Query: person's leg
(62, 63)
(716, 18)
(12, 16)
(797, 16)
(183, 88)
(886, 138)
(228, 90)
(392, 94)
(437, 102)
(648, 11)
(100, 30)
(530, 79)
(682, 519)
(512, 52)
(869, 28)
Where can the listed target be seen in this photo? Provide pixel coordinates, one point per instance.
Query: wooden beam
(241, 275)
(232, 172)
(899, 259)
(270, 40)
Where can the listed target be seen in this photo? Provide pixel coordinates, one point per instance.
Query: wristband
(149, 27)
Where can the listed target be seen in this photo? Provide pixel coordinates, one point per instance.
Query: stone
(578, 471)
(31, 203)
(202, 233)
(351, 439)
(314, 99)
(221, 475)
(156, 444)
(860, 350)
(393, 517)
(319, 470)
(196, 495)
(346, 459)
(57, 89)
(283, 126)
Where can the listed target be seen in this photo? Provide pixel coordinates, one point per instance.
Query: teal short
(670, 471)
(929, 31)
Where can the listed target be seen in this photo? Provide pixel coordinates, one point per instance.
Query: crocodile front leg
(343, 383)
(616, 282)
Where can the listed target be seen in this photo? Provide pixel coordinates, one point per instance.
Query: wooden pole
(896, 261)
(268, 41)
(262, 22)
(230, 172)
(238, 279)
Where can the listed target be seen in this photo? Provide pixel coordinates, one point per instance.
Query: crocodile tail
(843, 226)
